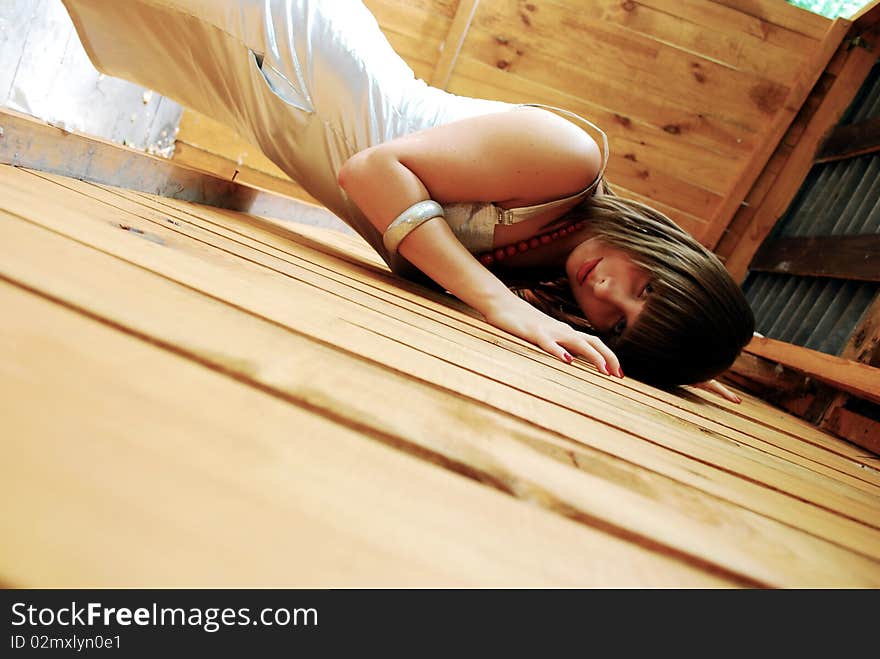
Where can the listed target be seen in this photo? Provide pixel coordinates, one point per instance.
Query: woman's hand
(515, 315)
(719, 389)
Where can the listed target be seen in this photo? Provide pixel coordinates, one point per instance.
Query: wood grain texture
(858, 379)
(220, 486)
(329, 332)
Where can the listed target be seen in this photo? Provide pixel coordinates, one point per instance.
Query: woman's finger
(610, 358)
(592, 355)
(587, 342)
(555, 350)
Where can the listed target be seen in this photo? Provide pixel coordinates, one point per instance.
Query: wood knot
(768, 96)
(525, 19)
(623, 121)
(628, 5)
(643, 174)
(125, 227)
(530, 7)
(502, 64)
(501, 40)
(673, 129)
(630, 156)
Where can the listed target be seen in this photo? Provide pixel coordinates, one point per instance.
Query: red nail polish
(568, 358)
(620, 373)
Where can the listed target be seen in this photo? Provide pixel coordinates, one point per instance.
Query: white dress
(311, 82)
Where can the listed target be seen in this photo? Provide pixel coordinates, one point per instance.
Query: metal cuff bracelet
(410, 219)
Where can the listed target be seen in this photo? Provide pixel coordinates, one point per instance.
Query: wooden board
(262, 362)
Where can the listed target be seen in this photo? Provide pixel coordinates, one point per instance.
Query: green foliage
(831, 8)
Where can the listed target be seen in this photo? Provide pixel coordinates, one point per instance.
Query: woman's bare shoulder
(566, 153)
(521, 156)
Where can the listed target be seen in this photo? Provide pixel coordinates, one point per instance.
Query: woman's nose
(604, 290)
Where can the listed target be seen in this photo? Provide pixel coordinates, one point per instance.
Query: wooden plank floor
(197, 397)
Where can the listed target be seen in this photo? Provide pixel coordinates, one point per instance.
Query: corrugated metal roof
(837, 199)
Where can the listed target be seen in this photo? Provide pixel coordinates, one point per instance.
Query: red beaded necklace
(500, 253)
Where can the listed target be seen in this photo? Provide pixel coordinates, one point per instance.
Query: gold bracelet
(410, 219)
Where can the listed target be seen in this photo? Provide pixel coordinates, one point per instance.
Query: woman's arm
(520, 157)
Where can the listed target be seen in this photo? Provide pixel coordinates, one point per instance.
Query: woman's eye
(648, 289)
(619, 327)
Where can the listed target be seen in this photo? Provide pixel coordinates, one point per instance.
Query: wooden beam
(854, 427)
(863, 346)
(844, 257)
(797, 94)
(458, 30)
(858, 379)
(796, 168)
(851, 140)
(773, 377)
(32, 143)
(864, 343)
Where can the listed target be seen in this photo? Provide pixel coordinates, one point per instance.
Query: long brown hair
(696, 320)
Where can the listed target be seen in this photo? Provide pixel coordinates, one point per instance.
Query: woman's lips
(585, 270)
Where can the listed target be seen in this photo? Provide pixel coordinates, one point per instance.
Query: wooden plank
(29, 142)
(504, 395)
(341, 246)
(858, 379)
(464, 14)
(338, 508)
(221, 167)
(851, 140)
(738, 19)
(309, 374)
(864, 343)
(298, 369)
(599, 102)
(33, 143)
(856, 428)
(720, 41)
(782, 14)
(707, 419)
(862, 346)
(843, 257)
(797, 167)
(557, 41)
(795, 97)
(773, 376)
(721, 428)
(341, 292)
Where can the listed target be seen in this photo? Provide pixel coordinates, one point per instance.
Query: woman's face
(610, 289)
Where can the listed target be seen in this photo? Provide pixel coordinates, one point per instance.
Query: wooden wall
(694, 95)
